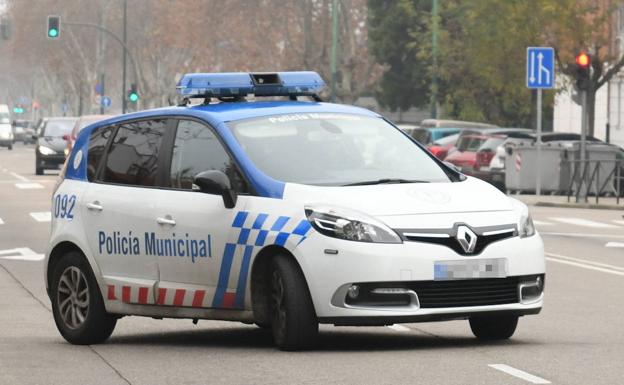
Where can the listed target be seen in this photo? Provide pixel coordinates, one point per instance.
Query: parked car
(427, 136)
(22, 131)
(441, 147)
(51, 148)
(6, 131)
(81, 123)
(443, 123)
(475, 149)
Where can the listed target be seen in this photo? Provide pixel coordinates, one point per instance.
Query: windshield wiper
(385, 181)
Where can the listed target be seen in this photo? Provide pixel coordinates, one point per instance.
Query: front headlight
(526, 228)
(43, 150)
(349, 225)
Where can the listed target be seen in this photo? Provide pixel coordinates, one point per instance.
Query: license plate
(466, 269)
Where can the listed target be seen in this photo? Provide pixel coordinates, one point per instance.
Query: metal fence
(597, 178)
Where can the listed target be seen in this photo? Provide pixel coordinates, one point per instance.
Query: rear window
(492, 143)
(470, 143)
(133, 155)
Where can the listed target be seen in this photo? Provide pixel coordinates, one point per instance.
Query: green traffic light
(133, 97)
(53, 32)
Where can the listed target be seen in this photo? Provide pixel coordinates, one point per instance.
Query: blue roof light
(240, 84)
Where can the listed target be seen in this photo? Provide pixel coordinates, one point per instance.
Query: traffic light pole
(582, 167)
(126, 51)
(538, 184)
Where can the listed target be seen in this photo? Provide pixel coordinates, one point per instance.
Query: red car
(441, 147)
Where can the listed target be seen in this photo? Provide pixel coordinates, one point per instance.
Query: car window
(133, 156)
(469, 143)
(58, 128)
(421, 135)
(97, 144)
(492, 143)
(451, 139)
(333, 149)
(4, 118)
(197, 149)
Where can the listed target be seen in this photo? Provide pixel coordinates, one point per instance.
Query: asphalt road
(577, 339)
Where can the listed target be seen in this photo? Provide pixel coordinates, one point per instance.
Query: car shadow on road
(329, 340)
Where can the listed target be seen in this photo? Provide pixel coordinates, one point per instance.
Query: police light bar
(241, 84)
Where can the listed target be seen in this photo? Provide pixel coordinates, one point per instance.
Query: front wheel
(494, 327)
(293, 320)
(77, 303)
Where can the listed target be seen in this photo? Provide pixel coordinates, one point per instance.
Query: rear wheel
(77, 303)
(493, 328)
(10, 146)
(293, 320)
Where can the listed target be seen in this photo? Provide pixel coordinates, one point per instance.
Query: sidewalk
(604, 203)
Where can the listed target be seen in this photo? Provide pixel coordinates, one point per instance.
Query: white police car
(286, 214)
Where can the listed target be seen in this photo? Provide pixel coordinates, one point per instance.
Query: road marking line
(399, 328)
(28, 186)
(602, 267)
(23, 254)
(18, 176)
(609, 244)
(1, 221)
(519, 374)
(585, 222)
(581, 235)
(43, 216)
(618, 222)
(540, 223)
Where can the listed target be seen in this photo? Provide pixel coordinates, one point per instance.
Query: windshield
(58, 127)
(4, 118)
(333, 149)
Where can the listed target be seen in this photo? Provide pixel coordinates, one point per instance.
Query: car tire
(10, 146)
(38, 170)
(77, 304)
(293, 319)
(493, 328)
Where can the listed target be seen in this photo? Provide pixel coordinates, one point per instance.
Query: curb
(580, 205)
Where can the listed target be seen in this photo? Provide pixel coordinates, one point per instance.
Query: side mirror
(217, 183)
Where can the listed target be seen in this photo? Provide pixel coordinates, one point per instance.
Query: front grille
(469, 292)
(448, 237)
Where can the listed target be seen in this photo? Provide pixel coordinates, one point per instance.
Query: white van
(6, 131)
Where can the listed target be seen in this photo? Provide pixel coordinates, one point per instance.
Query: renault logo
(467, 239)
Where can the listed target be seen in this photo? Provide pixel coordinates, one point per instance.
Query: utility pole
(333, 49)
(123, 72)
(434, 54)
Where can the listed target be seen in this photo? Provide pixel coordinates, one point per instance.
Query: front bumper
(358, 262)
(53, 161)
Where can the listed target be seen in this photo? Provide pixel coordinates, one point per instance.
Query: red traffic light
(582, 60)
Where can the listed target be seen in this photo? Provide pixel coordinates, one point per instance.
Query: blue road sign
(99, 89)
(105, 101)
(540, 67)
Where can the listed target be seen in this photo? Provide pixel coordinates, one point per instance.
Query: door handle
(95, 206)
(167, 220)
